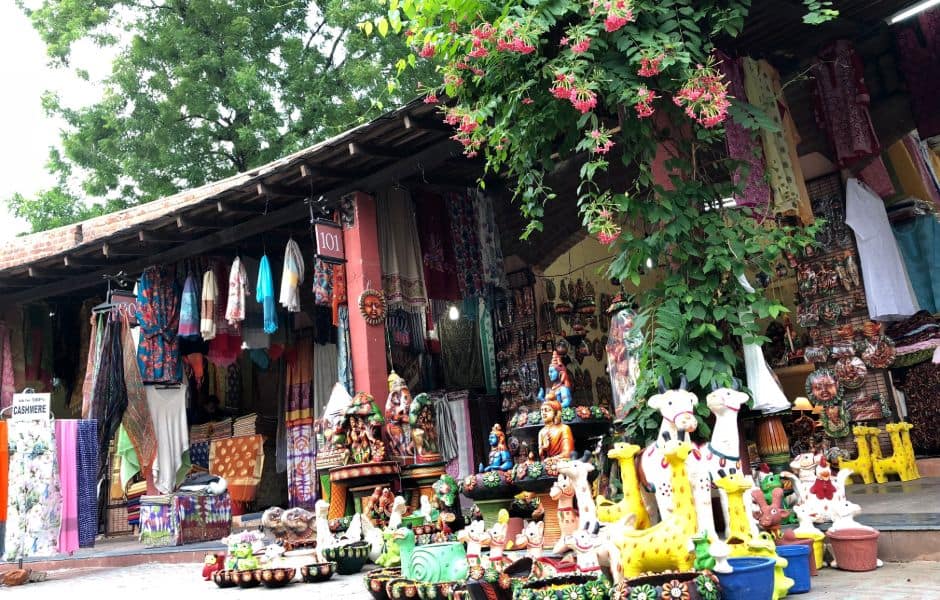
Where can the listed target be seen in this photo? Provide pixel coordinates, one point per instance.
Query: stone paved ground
(895, 581)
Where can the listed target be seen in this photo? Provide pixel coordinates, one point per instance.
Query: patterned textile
(210, 298)
(301, 461)
(159, 522)
(742, 145)
(488, 347)
(842, 103)
(4, 480)
(437, 245)
(924, 170)
(340, 295)
(233, 389)
(790, 197)
(875, 175)
(189, 309)
(202, 517)
(922, 386)
(199, 453)
(463, 229)
(66, 436)
(400, 251)
(110, 392)
(292, 276)
(34, 509)
(237, 292)
(920, 63)
(137, 420)
(7, 381)
(87, 483)
(461, 356)
(240, 461)
(264, 294)
(322, 283)
(491, 250)
(91, 368)
(344, 353)
(158, 316)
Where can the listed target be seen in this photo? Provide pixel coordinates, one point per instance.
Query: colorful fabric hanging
(237, 292)
(919, 59)
(87, 452)
(210, 297)
(110, 393)
(437, 246)
(488, 346)
(233, 388)
(491, 250)
(911, 177)
(344, 374)
(339, 291)
(7, 377)
(400, 251)
(466, 243)
(875, 175)
(790, 197)
(322, 283)
(4, 480)
(66, 437)
(240, 461)
(137, 419)
(158, 317)
(264, 294)
(742, 145)
(301, 451)
(34, 511)
(189, 309)
(842, 103)
(292, 276)
(919, 242)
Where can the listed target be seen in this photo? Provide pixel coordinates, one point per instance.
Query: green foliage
(533, 83)
(202, 89)
(819, 11)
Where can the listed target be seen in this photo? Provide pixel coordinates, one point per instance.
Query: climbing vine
(612, 84)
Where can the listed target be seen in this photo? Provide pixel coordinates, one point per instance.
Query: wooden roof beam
(224, 206)
(357, 149)
(150, 237)
(193, 223)
(272, 191)
(83, 262)
(111, 251)
(36, 273)
(308, 171)
(423, 124)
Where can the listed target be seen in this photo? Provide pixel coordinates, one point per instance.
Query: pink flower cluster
(427, 51)
(466, 125)
(619, 13)
(705, 97)
(649, 67)
(581, 46)
(608, 237)
(644, 103)
(581, 97)
(431, 98)
(602, 143)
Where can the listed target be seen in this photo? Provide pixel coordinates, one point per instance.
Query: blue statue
(500, 459)
(561, 383)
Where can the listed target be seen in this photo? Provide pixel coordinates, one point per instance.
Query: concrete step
(929, 467)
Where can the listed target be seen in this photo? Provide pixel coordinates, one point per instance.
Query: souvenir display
(372, 306)
(823, 387)
(623, 362)
(879, 352)
(816, 354)
(851, 372)
(834, 420)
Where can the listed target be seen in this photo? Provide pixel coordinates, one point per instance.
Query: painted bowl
(224, 579)
(317, 572)
(376, 580)
(349, 558)
(399, 588)
(276, 577)
(690, 585)
(246, 579)
(438, 591)
(570, 586)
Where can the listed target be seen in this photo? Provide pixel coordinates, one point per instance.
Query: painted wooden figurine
(475, 537)
(561, 390)
(500, 458)
(632, 501)
(555, 438)
(563, 492)
(397, 406)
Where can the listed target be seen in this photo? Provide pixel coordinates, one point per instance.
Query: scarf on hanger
(491, 250)
(137, 420)
(7, 380)
(264, 294)
(210, 296)
(437, 246)
(292, 276)
(189, 309)
(463, 229)
(400, 251)
(237, 292)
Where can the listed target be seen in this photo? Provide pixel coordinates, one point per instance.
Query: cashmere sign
(30, 407)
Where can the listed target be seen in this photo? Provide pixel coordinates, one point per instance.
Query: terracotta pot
(773, 445)
(854, 549)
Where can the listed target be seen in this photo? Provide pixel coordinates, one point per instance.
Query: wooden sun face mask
(372, 306)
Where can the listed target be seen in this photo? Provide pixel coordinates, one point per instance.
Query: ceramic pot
(690, 585)
(317, 572)
(438, 563)
(349, 558)
(809, 543)
(773, 445)
(396, 589)
(854, 549)
(819, 547)
(438, 591)
(377, 579)
(277, 577)
(571, 586)
(494, 585)
(224, 579)
(246, 579)
(752, 579)
(798, 558)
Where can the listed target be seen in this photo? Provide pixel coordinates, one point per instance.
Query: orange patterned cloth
(240, 461)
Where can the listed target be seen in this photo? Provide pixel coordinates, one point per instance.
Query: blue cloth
(919, 242)
(344, 355)
(87, 483)
(264, 294)
(199, 454)
(189, 309)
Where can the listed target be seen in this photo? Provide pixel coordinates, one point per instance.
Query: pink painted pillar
(364, 269)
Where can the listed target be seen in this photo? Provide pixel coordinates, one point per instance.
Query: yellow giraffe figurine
(740, 539)
(909, 448)
(898, 461)
(632, 502)
(739, 522)
(664, 546)
(860, 466)
(874, 445)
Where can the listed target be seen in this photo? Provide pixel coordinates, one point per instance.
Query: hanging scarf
(466, 242)
(292, 276)
(437, 246)
(264, 294)
(344, 374)
(919, 59)
(158, 316)
(210, 295)
(137, 420)
(237, 292)
(488, 346)
(491, 250)
(189, 309)
(339, 291)
(7, 382)
(741, 145)
(110, 394)
(400, 251)
(91, 369)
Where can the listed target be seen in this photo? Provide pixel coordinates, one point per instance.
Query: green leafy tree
(531, 83)
(202, 89)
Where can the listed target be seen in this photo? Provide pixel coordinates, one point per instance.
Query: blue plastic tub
(798, 568)
(752, 579)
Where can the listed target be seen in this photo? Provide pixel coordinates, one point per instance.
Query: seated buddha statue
(555, 438)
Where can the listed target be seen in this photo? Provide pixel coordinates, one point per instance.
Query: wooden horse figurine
(632, 501)
(861, 465)
(664, 545)
(578, 471)
(563, 492)
(475, 536)
(531, 539)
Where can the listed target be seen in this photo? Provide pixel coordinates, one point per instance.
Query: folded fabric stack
(135, 492)
(219, 430)
(158, 521)
(199, 433)
(247, 425)
(915, 338)
(199, 453)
